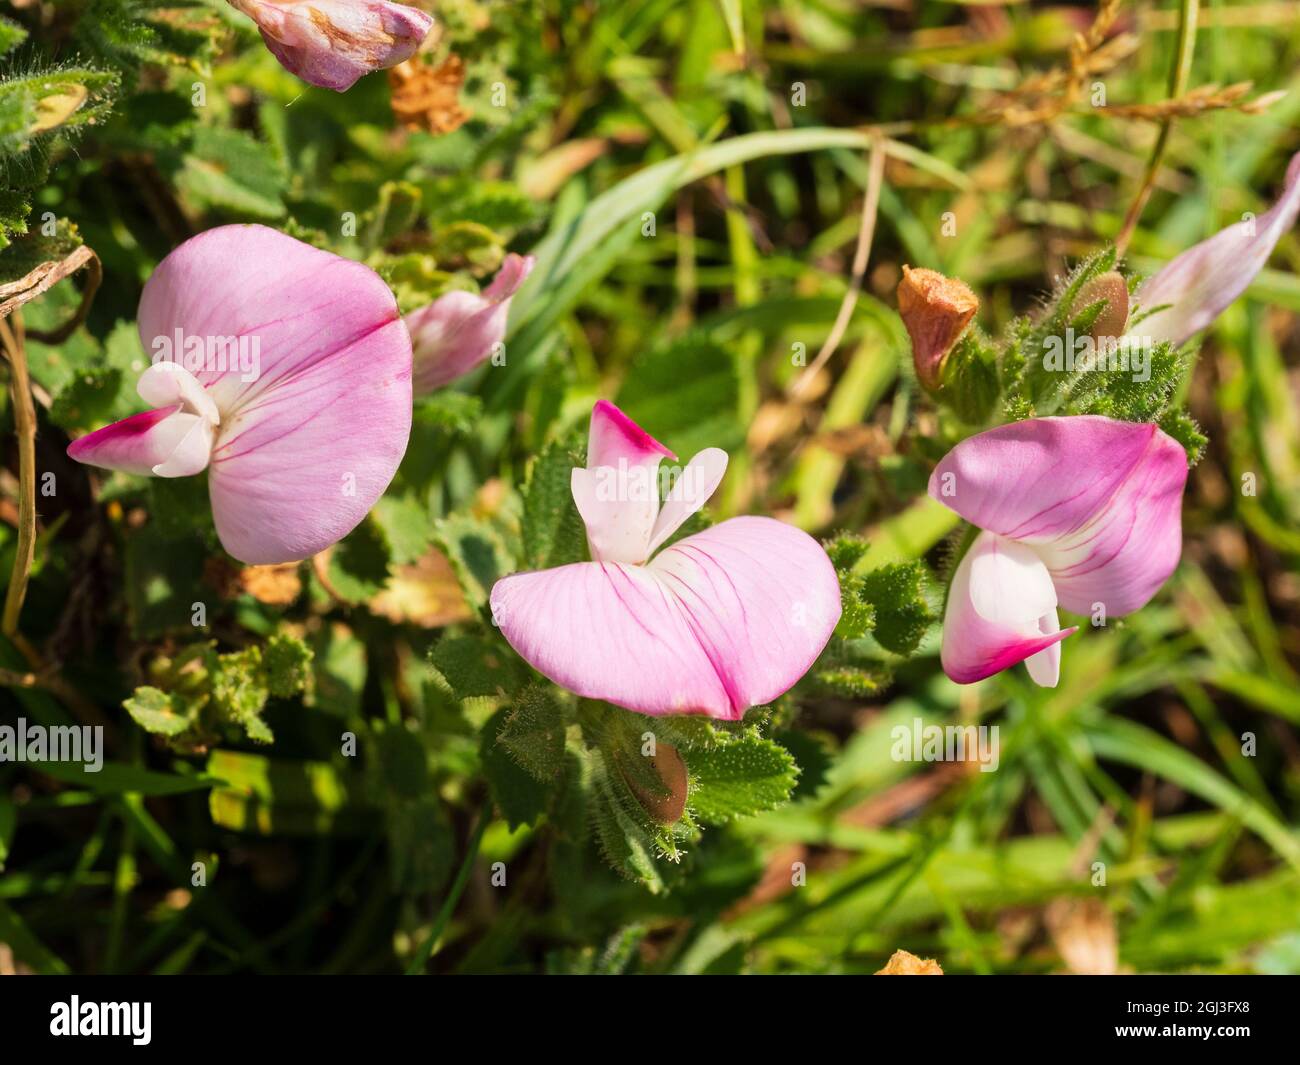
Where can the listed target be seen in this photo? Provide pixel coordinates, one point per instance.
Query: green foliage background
(347, 749)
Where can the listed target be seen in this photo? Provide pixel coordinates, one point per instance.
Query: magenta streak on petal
(1090, 562)
(277, 395)
(631, 612)
(298, 369)
(738, 705)
(1021, 533)
(1137, 463)
(1097, 524)
(606, 415)
(120, 433)
(294, 400)
(688, 547)
(1008, 655)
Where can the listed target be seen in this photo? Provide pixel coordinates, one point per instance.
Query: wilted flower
(298, 441)
(1199, 284)
(723, 620)
(460, 330)
(1080, 512)
(936, 311)
(331, 43)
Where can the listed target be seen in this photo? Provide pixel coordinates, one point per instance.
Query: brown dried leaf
(428, 98)
(904, 964)
(1083, 931)
(424, 593)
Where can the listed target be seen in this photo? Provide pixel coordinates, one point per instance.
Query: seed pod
(666, 805)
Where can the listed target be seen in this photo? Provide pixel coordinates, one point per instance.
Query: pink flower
(1080, 512)
(460, 330)
(720, 621)
(331, 43)
(284, 371)
(1200, 283)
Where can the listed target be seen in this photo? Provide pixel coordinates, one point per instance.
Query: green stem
(25, 425)
(426, 950)
(1179, 75)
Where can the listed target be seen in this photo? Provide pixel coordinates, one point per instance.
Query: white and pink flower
(332, 43)
(1082, 513)
(297, 453)
(720, 621)
(460, 330)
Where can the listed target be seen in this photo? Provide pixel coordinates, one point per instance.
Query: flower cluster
(1081, 512)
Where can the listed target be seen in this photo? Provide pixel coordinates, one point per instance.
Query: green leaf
(113, 778)
(286, 661)
(230, 170)
(627, 838)
(402, 762)
(1136, 745)
(477, 553)
(970, 379)
(160, 712)
(421, 846)
(406, 526)
(520, 796)
(846, 550)
(739, 779)
(279, 797)
(903, 612)
(686, 394)
(857, 613)
(164, 576)
(553, 532)
(579, 250)
(474, 666)
(397, 211)
(339, 661)
(533, 732)
(358, 565)
(11, 35)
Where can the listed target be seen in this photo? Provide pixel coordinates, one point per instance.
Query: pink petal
(138, 444)
(1001, 610)
(312, 439)
(617, 495)
(459, 331)
(1201, 282)
(724, 620)
(692, 489)
(1100, 500)
(614, 436)
(510, 278)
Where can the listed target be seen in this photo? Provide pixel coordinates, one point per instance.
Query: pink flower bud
(331, 43)
(460, 330)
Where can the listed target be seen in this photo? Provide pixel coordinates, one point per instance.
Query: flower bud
(458, 331)
(936, 311)
(331, 43)
(667, 804)
(1112, 288)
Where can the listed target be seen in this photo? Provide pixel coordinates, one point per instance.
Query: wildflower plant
(620, 488)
